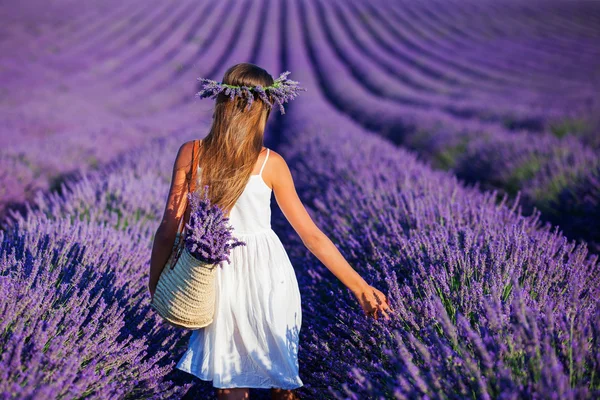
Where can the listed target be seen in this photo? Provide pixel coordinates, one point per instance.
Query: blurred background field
(448, 148)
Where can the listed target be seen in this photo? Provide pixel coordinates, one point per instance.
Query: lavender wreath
(282, 90)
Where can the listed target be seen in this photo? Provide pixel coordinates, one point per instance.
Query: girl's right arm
(176, 204)
(370, 299)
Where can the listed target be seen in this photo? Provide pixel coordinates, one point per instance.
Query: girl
(253, 340)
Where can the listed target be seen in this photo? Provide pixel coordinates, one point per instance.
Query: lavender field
(450, 149)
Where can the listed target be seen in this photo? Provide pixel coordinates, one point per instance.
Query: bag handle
(191, 185)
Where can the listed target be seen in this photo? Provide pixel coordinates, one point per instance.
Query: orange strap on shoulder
(191, 185)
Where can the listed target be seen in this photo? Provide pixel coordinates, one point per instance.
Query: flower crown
(282, 90)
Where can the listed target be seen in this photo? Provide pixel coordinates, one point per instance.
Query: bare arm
(315, 240)
(174, 209)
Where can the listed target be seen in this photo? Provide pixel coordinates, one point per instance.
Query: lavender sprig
(282, 90)
(208, 233)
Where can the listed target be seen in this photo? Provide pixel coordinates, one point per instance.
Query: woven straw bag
(185, 292)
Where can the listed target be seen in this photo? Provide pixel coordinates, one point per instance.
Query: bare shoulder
(184, 154)
(279, 172)
(278, 163)
(275, 156)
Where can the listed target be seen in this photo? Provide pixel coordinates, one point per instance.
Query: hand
(373, 301)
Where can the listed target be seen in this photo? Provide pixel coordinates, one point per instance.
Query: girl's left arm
(164, 237)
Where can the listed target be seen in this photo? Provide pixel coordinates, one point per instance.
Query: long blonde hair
(228, 153)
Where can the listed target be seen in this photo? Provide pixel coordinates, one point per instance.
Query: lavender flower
(282, 90)
(208, 235)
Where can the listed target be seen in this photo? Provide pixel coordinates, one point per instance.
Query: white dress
(253, 339)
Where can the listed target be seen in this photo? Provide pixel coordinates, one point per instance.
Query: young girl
(253, 340)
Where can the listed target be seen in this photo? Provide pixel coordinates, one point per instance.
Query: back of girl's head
(230, 150)
(233, 112)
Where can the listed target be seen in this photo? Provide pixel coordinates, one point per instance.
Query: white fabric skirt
(253, 340)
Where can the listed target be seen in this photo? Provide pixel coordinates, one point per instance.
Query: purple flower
(208, 233)
(282, 90)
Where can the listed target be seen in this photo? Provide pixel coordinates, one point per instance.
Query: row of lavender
(356, 51)
(94, 236)
(488, 304)
(140, 62)
(409, 225)
(461, 64)
(119, 197)
(422, 248)
(473, 282)
(75, 307)
(96, 69)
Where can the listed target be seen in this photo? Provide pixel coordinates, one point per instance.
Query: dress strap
(264, 163)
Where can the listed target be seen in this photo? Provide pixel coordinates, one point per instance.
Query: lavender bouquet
(208, 235)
